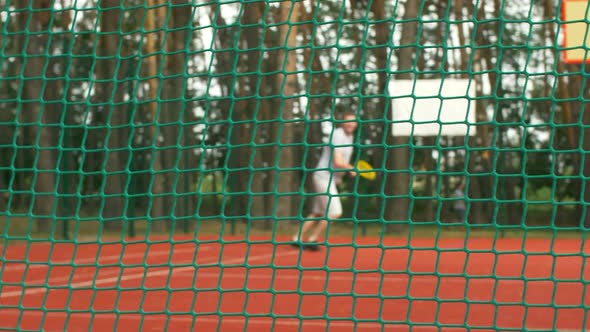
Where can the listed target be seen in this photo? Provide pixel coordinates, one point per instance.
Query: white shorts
(327, 204)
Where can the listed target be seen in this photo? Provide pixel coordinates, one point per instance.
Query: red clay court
(253, 284)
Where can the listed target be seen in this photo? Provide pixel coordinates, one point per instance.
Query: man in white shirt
(333, 164)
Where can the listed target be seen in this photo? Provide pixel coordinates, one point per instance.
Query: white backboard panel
(575, 31)
(433, 107)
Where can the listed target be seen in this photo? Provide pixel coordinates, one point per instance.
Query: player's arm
(339, 162)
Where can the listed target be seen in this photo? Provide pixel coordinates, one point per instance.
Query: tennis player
(334, 163)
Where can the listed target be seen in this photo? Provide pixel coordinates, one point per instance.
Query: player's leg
(299, 236)
(319, 206)
(334, 212)
(322, 226)
(318, 211)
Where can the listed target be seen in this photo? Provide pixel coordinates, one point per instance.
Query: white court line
(20, 266)
(247, 275)
(141, 275)
(252, 321)
(392, 278)
(43, 282)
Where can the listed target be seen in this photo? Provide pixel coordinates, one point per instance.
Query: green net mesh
(206, 166)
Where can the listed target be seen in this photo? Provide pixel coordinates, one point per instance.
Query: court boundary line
(300, 275)
(22, 266)
(160, 272)
(337, 322)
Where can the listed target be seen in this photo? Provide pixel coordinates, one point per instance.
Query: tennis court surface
(263, 284)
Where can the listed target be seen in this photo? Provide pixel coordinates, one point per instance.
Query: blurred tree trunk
(480, 162)
(69, 177)
(176, 111)
(505, 185)
(465, 10)
(160, 202)
(225, 42)
(564, 91)
(40, 117)
(263, 152)
(585, 197)
(7, 134)
(397, 182)
(7, 151)
(241, 115)
(318, 83)
(383, 107)
(8, 173)
(568, 88)
(283, 128)
(432, 143)
(110, 71)
(263, 109)
(459, 17)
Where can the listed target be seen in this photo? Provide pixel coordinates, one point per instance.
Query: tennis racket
(365, 170)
